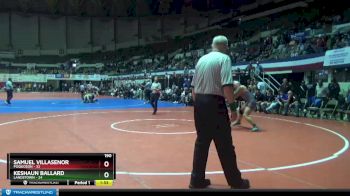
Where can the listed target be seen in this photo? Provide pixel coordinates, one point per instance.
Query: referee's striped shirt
(213, 72)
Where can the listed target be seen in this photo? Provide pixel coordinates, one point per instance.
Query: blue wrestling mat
(62, 105)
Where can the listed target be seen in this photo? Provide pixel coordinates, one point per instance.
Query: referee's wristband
(233, 106)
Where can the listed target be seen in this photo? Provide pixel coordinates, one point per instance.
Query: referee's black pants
(154, 102)
(9, 96)
(212, 123)
(82, 93)
(148, 94)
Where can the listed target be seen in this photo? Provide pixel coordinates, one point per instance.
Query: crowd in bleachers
(287, 38)
(300, 38)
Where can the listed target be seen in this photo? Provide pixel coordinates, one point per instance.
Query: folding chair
(347, 112)
(314, 110)
(302, 106)
(341, 111)
(329, 108)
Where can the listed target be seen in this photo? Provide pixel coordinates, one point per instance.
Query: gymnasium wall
(34, 35)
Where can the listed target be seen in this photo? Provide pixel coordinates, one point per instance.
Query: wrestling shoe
(244, 185)
(201, 185)
(255, 129)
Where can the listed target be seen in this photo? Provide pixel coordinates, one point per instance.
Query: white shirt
(156, 87)
(82, 87)
(321, 91)
(262, 87)
(213, 72)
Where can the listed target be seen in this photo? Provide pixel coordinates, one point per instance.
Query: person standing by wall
(259, 71)
(285, 87)
(212, 83)
(334, 89)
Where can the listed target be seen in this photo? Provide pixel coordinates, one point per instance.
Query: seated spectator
(291, 103)
(177, 94)
(269, 98)
(333, 89)
(260, 98)
(252, 86)
(277, 103)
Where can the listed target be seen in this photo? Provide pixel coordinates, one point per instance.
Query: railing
(268, 83)
(274, 79)
(271, 84)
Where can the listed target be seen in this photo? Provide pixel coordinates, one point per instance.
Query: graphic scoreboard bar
(84, 169)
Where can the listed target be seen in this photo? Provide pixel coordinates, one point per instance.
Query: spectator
(186, 71)
(259, 69)
(303, 89)
(262, 86)
(321, 94)
(334, 89)
(250, 70)
(173, 87)
(277, 103)
(252, 87)
(260, 99)
(310, 95)
(269, 98)
(292, 102)
(187, 83)
(285, 87)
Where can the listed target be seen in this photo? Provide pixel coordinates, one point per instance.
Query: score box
(60, 167)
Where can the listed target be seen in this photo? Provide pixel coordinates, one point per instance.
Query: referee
(156, 88)
(212, 83)
(9, 91)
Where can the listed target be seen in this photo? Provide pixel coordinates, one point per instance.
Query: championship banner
(39, 78)
(337, 57)
(7, 55)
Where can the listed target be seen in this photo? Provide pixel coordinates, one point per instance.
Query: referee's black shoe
(245, 184)
(201, 185)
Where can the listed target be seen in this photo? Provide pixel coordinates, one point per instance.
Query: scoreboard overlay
(76, 169)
